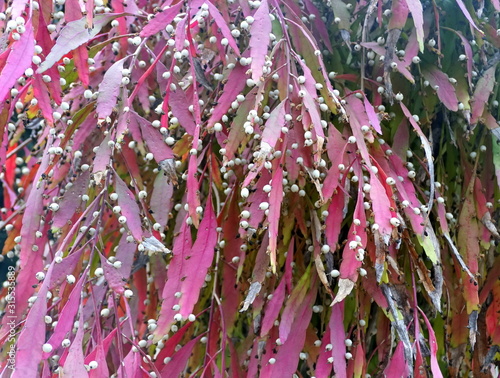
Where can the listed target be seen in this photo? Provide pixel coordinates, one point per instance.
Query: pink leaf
(176, 273)
(337, 337)
(469, 54)
(484, 88)
(272, 130)
(234, 86)
(74, 364)
(446, 90)
(32, 337)
(73, 35)
(131, 366)
(102, 160)
(161, 19)
(179, 104)
(273, 309)
(275, 200)
(67, 315)
(31, 261)
(436, 371)
(372, 116)
(177, 364)
(399, 14)
(109, 89)
(381, 206)
(223, 26)
(293, 303)
(117, 277)
(161, 199)
(287, 357)
(323, 367)
(467, 15)
(415, 7)
(18, 61)
(259, 41)
(397, 366)
(201, 256)
(42, 94)
(153, 138)
(18, 7)
(334, 219)
(129, 208)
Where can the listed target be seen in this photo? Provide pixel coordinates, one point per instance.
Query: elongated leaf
(109, 89)
(259, 40)
(161, 19)
(18, 60)
(73, 35)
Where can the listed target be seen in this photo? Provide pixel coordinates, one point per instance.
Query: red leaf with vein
(179, 104)
(153, 138)
(102, 159)
(372, 116)
(117, 277)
